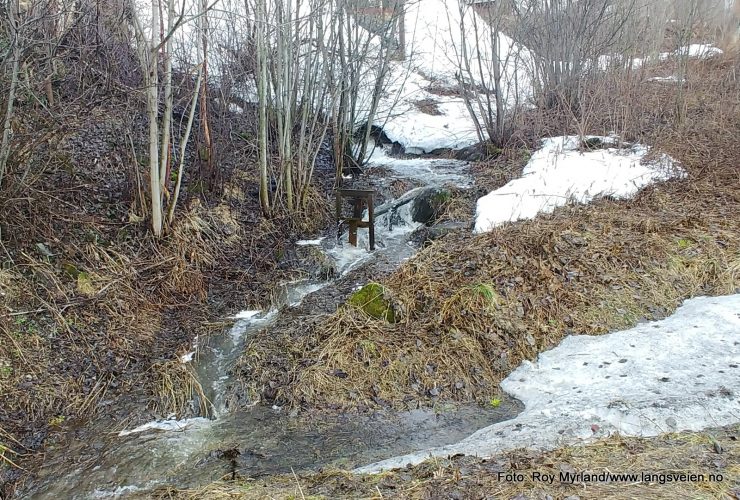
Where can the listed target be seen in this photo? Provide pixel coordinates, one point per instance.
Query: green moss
(441, 197)
(70, 269)
(371, 299)
(493, 151)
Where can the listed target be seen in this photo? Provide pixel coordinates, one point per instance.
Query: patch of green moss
(371, 299)
(493, 151)
(441, 197)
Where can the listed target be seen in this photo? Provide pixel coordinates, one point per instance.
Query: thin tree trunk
(9, 109)
(183, 147)
(262, 106)
(152, 98)
(164, 158)
(207, 139)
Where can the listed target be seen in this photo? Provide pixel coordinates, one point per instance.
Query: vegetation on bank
(472, 307)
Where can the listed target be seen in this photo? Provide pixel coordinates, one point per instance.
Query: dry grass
(428, 107)
(473, 307)
(712, 452)
(106, 314)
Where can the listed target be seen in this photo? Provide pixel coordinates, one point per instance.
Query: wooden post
(359, 198)
(371, 221)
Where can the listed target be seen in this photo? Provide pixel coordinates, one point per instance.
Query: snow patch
(187, 357)
(560, 173)
(665, 79)
(699, 51)
(677, 374)
(310, 242)
(165, 425)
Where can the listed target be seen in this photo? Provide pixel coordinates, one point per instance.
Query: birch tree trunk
(152, 95)
(262, 104)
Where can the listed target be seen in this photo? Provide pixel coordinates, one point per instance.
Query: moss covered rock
(429, 204)
(373, 300)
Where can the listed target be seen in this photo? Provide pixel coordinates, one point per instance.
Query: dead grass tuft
(428, 107)
(177, 388)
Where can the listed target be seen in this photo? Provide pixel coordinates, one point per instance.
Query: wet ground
(98, 460)
(255, 443)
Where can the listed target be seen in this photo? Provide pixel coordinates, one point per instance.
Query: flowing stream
(97, 461)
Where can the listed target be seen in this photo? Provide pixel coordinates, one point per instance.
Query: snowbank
(434, 53)
(681, 373)
(560, 173)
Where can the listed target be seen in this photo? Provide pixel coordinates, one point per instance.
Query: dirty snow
(681, 373)
(559, 173)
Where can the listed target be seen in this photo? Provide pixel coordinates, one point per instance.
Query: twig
(300, 490)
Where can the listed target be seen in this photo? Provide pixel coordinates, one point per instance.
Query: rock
(374, 301)
(478, 152)
(315, 262)
(471, 153)
(428, 204)
(426, 234)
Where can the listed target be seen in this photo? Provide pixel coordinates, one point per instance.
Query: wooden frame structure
(358, 198)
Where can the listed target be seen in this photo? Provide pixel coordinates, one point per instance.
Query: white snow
(165, 425)
(665, 79)
(247, 314)
(681, 373)
(309, 242)
(560, 173)
(435, 46)
(187, 357)
(699, 50)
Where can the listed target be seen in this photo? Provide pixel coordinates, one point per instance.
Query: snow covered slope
(435, 48)
(681, 373)
(560, 172)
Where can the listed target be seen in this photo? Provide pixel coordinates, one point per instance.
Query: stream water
(100, 462)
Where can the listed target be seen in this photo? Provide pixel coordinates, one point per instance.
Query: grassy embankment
(469, 308)
(94, 312)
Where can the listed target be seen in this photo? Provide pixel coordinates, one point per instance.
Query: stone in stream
(428, 204)
(315, 262)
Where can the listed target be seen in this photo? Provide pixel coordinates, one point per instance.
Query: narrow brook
(97, 461)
